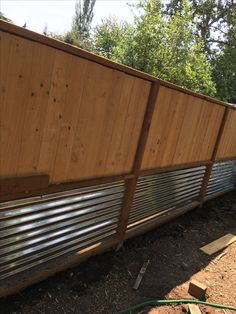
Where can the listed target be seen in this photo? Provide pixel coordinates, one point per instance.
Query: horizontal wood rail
(53, 188)
(25, 185)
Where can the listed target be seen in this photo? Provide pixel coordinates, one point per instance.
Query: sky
(57, 14)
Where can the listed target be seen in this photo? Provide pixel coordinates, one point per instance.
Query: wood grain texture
(66, 116)
(218, 244)
(15, 86)
(183, 130)
(227, 145)
(62, 46)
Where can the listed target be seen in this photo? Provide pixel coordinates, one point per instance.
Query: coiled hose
(164, 302)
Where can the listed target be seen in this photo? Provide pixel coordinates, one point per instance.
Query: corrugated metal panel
(222, 177)
(35, 230)
(159, 193)
(234, 172)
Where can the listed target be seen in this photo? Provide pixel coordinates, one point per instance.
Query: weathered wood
(194, 309)
(218, 244)
(13, 186)
(140, 275)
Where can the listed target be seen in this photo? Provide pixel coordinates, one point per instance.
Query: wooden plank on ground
(218, 244)
(197, 289)
(140, 275)
(194, 309)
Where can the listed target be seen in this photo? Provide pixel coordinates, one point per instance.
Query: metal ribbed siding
(222, 177)
(163, 192)
(38, 229)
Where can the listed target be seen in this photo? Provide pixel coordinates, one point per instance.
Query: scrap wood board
(194, 309)
(218, 244)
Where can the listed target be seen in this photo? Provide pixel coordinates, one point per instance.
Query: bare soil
(103, 284)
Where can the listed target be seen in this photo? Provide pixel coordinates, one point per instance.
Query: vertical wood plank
(36, 109)
(55, 109)
(115, 156)
(210, 166)
(74, 84)
(174, 133)
(181, 123)
(5, 50)
(227, 146)
(17, 84)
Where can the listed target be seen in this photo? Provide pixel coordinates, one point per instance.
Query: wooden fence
(70, 119)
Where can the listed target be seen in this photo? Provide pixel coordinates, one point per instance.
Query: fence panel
(183, 130)
(227, 145)
(66, 116)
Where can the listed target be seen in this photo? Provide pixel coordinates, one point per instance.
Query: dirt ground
(103, 284)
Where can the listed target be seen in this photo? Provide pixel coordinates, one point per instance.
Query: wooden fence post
(213, 158)
(131, 183)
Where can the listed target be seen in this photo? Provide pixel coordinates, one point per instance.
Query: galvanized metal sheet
(37, 229)
(222, 177)
(162, 192)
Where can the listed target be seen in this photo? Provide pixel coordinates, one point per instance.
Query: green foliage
(79, 35)
(83, 18)
(110, 37)
(165, 46)
(215, 24)
(225, 65)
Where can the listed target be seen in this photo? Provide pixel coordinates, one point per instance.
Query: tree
(215, 25)
(212, 19)
(110, 36)
(45, 30)
(225, 65)
(82, 19)
(79, 35)
(166, 47)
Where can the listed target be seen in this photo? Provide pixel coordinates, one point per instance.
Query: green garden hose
(162, 302)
